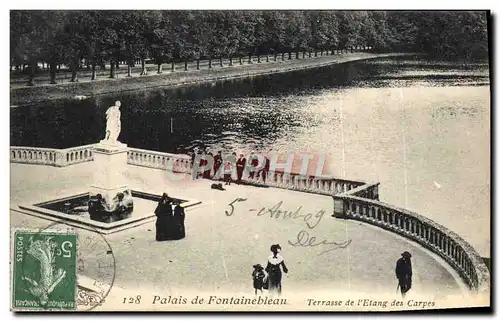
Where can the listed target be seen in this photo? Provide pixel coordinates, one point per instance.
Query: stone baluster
(271, 179)
(390, 218)
(441, 242)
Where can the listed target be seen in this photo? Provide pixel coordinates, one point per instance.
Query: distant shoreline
(87, 89)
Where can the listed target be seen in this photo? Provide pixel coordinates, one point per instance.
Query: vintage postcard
(258, 160)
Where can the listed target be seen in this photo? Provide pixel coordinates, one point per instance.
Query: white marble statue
(113, 124)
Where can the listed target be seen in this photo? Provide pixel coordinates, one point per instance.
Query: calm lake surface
(421, 128)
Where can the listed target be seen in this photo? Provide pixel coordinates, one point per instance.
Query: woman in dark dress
(273, 269)
(179, 231)
(164, 219)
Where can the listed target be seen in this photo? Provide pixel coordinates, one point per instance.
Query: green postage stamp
(44, 270)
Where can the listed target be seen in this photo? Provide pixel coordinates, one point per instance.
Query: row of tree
(99, 37)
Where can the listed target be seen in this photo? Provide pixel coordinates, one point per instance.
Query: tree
(38, 33)
(275, 25)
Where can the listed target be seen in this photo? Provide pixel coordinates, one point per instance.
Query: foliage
(67, 37)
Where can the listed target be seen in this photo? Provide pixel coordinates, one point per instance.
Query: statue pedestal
(110, 164)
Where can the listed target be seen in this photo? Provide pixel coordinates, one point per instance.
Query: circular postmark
(61, 262)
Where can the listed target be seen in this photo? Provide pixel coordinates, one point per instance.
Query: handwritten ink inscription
(232, 207)
(311, 220)
(306, 240)
(303, 238)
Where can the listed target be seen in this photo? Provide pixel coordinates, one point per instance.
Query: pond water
(420, 127)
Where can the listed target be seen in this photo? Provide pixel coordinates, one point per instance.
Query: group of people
(271, 282)
(276, 263)
(170, 217)
(224, 167)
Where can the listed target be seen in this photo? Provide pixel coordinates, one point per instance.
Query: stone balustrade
(174, 162)
(311, 184)
(80, 154)
(369, 191)
(51, 156)
(75, 155)
(437, 238)
(33, 155)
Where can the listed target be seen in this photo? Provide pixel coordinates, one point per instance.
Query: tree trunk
(144, 70)
(249, 58)
(112, 70)
(315, 53)
(290, 55)
(297, 55)
(275, 56)
(52, 72)
(129, 69)
(231, 61)
(117, 65)
(258, 59)
(159, 69)
(173, 66)
(310, 55)
(303, 55)
(88, 65)
(220, 62)
(74, 72)
(241, 61)
(267, 57)
(197, 64)
(351, 50)
(210, 63)
(282, 56)
(93, 72)
(185, 64)
(31, 76)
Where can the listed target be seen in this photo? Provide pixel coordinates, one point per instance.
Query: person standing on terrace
(404, 272)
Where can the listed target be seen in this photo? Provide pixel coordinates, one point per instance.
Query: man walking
(217, 165)
(265, 170)
(404, 272)
(240, 167)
